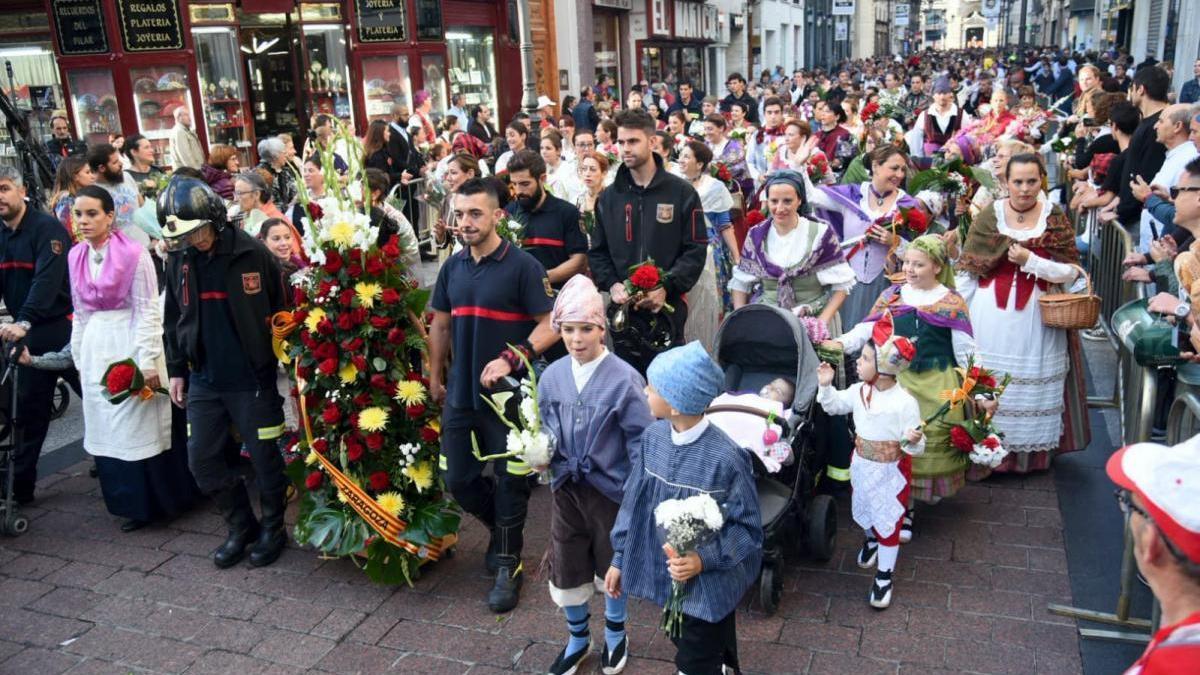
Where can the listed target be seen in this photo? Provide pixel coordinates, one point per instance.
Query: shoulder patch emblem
(665, 213)
(251, 283)
(56, 246)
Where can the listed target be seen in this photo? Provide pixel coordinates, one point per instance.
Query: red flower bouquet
(644, 278)
(754, 218)
(909, 223)
(124, 379)
(869, 111)
(817, 167)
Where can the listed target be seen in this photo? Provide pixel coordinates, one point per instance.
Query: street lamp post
(528, 80)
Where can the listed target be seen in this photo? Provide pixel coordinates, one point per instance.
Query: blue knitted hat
(686, 377)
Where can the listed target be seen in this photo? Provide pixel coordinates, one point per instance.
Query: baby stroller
(12, 523)
(755, 345)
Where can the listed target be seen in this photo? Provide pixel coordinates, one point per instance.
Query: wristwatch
(1182, 310)
(25, 325)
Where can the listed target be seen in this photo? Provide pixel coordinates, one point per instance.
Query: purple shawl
(112, 289)
(825, 253)
(948, 312)
(849, 220)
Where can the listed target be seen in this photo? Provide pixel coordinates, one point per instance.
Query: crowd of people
(911, 212)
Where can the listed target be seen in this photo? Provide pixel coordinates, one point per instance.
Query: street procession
(600, 336)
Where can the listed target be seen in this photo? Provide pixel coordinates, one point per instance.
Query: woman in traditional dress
(460, 169)
(927, 308)
(1031, 120)
(709, 299)
(799, 147)
(855, 211)
(593, 168)
(727, 151)
(1013, 253)
(995, 123)
(117, 316)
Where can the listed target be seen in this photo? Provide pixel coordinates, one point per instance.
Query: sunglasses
(1180, 189)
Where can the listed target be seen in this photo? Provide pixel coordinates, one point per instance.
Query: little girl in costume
(887, 422)
(592, 403)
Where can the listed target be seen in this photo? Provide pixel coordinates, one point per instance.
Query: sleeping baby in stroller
(751, 421)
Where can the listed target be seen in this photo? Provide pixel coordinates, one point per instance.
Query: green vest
(807, 288)
(935, 345)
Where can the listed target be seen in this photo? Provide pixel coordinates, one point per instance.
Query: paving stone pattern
(78, 596)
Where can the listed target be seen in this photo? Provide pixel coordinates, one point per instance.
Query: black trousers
(258, 416)
(499, 501)
(704, 647)
(35, 391)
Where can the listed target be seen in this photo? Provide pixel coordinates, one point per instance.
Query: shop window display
(34, 89)
(94, 102)
(328, 76)
(473, 64)
(157, 93)
(386, 83)
(433, 72)
(221, 88)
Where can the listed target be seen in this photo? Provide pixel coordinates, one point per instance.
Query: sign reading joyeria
(150, 25)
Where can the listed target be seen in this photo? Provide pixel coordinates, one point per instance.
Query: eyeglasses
(1125, 501)
(1180, 189)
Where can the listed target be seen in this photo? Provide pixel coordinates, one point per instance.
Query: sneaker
(868, 553)
(881, 591)
(906, 528)
(614, 662)
(567, 665)
(506, 592)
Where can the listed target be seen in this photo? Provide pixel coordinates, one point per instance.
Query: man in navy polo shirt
(552, 232)
(488, 296)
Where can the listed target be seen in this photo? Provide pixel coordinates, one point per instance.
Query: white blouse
(146, 306)
(962, 342)
(1042, 268)
(787, 250)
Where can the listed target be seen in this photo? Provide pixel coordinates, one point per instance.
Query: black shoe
(613, 662)
(133, 525)
(507, 590)
(234, 504)
(567, 665)
(881, 591)
(272, 536)
(867, 554)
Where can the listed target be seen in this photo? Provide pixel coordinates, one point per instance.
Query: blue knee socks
(614, 621)
(577, 624)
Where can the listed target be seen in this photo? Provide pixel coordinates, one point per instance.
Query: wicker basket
(1073, 311)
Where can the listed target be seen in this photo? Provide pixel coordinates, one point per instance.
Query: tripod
(36, 170)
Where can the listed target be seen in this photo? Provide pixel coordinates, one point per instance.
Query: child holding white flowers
(591, 402)
(683, 455)
(887, 424)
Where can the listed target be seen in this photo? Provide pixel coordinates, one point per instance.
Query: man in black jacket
(584, 112)
(647, 213)
(737, 94)
(223, 287)
(688, 101)
(1145, 155)
(481, 126)
(62, 144)
(36, 290)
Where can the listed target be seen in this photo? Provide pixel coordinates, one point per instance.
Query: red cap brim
(1116, 471)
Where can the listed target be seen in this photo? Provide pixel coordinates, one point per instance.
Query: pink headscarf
(578, 302)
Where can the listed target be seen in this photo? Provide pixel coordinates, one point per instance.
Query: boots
(272, 537)
(234, 504)
(506, 591)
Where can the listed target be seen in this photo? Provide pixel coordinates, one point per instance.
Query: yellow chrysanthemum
(314, 317)
(420, 474)
(409, 392)
(311, 458)
(342, 497)
(372, 419)
(341, 234)
(391, 502)
(367, 293)
(348, 373)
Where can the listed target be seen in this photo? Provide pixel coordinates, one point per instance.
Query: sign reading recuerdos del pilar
(150, 25)
(381, 20)
(80, 26)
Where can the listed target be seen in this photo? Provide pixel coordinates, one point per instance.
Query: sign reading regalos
(80, 25)
(842, 8)
(381, 20)
(150, 25)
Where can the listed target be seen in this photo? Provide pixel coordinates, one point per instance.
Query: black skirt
(157, 488)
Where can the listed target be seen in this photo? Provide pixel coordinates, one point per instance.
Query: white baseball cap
(1167, 480)
(544, 101)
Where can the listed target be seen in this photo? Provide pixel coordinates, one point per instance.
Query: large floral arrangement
(366, 462)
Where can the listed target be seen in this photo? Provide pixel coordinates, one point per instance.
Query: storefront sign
(150, 25)
(901, 15)
(842, 8)
(711, 23)
(380, 20)
(429, 20)
(80, 25)
(615, 4)
(841, 30)
(688, 20)
(659, 22)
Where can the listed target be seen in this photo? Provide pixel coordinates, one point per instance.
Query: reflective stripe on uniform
(442, 463)
(189, 429)
(268, 433)
(837, 473)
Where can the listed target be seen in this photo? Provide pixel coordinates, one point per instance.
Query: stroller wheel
(770, 587)
(821, 527)
(15, 524)
(62, 398)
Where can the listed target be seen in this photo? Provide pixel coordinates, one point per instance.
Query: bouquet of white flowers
(687, 523)
(526, 441)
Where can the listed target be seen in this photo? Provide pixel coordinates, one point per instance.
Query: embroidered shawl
(950, 311)
(986, 249)
(843, 210)
(756, 261)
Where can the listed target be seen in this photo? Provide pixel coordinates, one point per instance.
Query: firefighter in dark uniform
(223, 286)
(551, 230)
(36, 290)
(647, 213)
(488, 296)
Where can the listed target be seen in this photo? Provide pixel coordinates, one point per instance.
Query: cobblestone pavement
(78, 596)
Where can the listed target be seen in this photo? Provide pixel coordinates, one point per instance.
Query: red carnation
(314, 211)
(961, 439)
(359, 362)
(120, 378)
(375, 266)
(390, 296)
(333, 262)
(300, 298)
(354, 450)
(331, 415)
(375, 441)
(325, 350)
(328, 367)
(392, 248)
(917, 222)
(359, 315)
(415, 411)
(645, 277)
(325, 327)
(869, 111)
(429, 434)
(380, 322)
(754, 218)
(354, 270)
(324, 287)
(345, 321)
(379, 381)
(320, 446)
(980, 376)
(314, 480)
(991, 443)
(395, 336)
(379, 481)
(362, 400)
(346, 297)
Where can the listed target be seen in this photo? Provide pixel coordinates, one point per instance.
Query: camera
(1089, 122)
